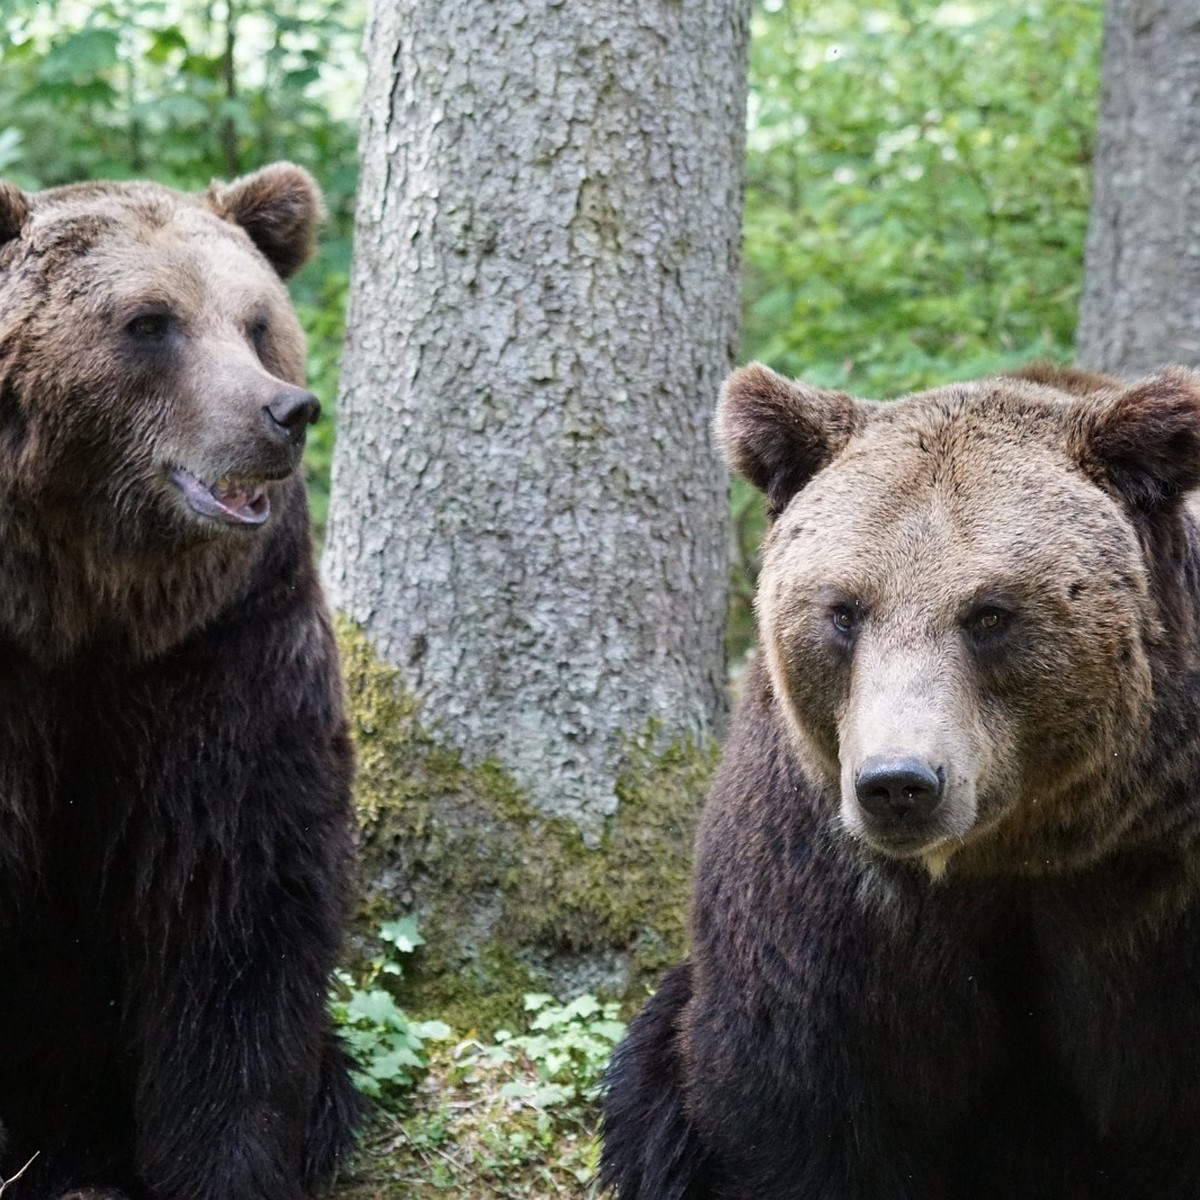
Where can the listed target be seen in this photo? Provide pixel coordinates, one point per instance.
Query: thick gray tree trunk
(1141, 298)
(528, 517)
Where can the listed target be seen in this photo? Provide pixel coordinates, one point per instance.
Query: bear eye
(150, 326)
(259, 331)
(988, 621)
(845, 618)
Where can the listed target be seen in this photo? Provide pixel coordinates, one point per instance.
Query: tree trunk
(1141, 297)
(528, 518)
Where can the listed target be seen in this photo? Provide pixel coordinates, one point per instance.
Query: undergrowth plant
(515, 1115)
(567, 1049)
(387, 1044)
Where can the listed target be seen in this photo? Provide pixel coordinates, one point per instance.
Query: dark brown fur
(991, 998)
(175, 821)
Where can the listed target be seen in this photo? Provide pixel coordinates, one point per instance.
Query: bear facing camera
(175, 819)
(946, 908)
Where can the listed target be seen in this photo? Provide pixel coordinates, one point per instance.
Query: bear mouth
(233, 501)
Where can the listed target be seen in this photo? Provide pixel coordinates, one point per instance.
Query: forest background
(918, 179)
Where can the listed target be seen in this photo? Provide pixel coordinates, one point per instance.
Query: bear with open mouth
(175, 767)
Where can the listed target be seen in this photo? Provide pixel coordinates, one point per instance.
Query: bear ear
(1143, 442)
(14, 209)
(779, 433)
(279, 207)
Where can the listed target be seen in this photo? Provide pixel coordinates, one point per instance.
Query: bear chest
(1120, 1017)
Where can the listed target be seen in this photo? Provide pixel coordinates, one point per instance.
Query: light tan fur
(1014, 492)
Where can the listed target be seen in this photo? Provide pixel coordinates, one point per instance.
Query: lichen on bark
(511, 899)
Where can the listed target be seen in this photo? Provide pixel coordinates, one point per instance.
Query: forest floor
(482, 1124)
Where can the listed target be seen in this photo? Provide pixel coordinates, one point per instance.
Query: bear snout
(290, 412)
(898, 793)
(901, 802)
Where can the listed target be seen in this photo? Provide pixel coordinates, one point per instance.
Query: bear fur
(946, 910)
(175, 818)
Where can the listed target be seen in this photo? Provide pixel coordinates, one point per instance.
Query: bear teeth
(235, 502)
(236, 495)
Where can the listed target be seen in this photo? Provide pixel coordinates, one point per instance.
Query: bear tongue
(237, 504)
(248, 501)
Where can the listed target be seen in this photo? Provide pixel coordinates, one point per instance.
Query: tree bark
(1141, 299)
(528, 516)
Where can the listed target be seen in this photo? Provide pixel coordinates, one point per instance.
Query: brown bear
(175, 820)
(946, 912)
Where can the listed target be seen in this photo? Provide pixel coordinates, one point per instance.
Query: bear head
(970, 601)
(151, 364)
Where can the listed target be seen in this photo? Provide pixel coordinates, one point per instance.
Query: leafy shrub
(918, 186)
(387, 1044)
(568, 1047)
(514, 1117)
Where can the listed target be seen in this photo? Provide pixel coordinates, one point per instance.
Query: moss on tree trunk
(510, 899)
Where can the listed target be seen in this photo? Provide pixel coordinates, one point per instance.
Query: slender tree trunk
(528, 517)
(1141, 297)
(229, 136)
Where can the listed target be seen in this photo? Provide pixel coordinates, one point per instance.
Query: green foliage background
(917, 171)
(918, 184)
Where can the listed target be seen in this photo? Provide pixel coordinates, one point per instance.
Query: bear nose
(291, 411)
(898, 789)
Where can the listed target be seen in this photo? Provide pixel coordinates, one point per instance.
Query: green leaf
(376, 1007)
(164, 43)
(395, 1064)
(611, 1031)
(10, 148)
(437, 1031)
(402, 934)
(582, 1007)
(88, 52)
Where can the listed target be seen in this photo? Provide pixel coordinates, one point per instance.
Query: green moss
(509, 899)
